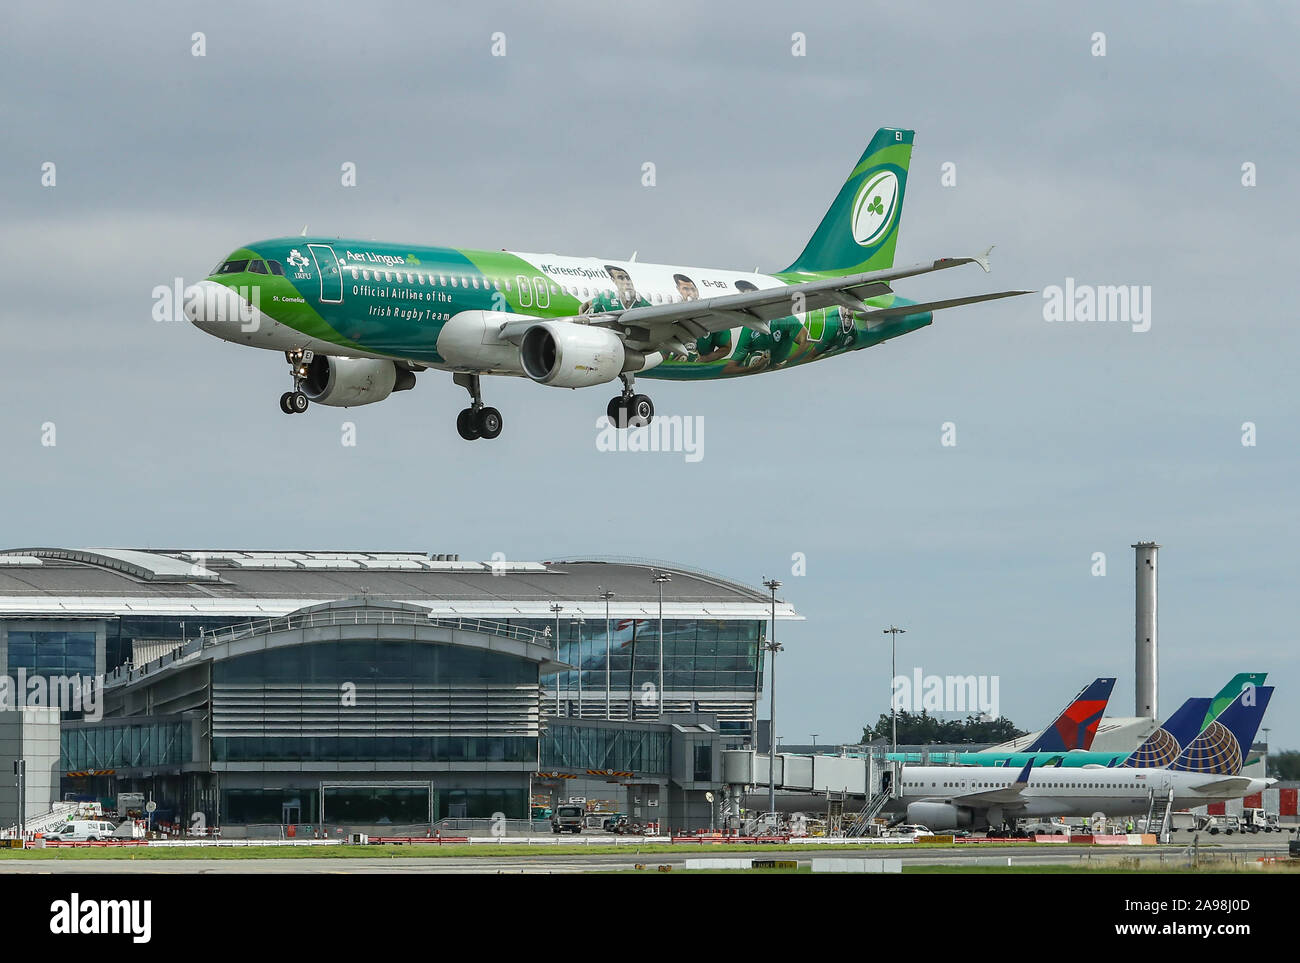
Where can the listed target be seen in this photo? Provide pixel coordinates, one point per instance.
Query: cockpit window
(276, 267)
(233, 267)
(257, 267)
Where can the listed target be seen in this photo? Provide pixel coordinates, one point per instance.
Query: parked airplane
(1016, 758)
(1207, 770)
(357, 320)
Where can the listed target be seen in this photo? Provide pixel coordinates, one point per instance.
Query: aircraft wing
(652, 326)
(1228, 784)
(1000, 796)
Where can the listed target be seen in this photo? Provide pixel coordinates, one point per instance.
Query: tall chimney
(1146, 664)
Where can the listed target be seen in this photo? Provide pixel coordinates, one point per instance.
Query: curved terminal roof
(45, 581)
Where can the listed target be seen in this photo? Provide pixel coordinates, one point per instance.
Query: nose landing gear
(629, 410)
(295, 402)
(476, 421)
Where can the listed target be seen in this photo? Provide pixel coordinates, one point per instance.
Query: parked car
(910, 831)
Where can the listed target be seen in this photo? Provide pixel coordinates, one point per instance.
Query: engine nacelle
(567, 355)
(347, 382)
(939, 815)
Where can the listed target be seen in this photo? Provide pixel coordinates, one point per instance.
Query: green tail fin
(860, 230)
(1230, 692)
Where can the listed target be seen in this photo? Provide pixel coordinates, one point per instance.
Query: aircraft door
(331, 279)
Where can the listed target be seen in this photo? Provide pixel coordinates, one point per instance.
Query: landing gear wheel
(488, 422)
(613, 410)
(641, 411)
(467, 424)
(298, 402)
(284, 403)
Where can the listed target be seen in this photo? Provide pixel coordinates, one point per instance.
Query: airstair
(1159, 813)
(869, 812)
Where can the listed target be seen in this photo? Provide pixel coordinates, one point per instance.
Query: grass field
(413, 850)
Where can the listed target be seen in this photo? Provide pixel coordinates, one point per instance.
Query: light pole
(659, 580)
(772, 585)
(774, 647)
(894, 633)
(607, 596)
(578, 622)
(557, 608)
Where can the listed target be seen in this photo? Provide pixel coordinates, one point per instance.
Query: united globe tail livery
(358, 320)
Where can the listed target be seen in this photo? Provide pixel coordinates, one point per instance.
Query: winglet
(983, 259)
(304, 231)
(1023, 778)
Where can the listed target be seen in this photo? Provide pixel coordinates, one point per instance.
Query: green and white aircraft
(357, 320)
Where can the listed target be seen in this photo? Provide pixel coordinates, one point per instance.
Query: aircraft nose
(218, 309)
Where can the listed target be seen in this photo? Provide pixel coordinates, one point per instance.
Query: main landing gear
(295, 402)
(476, 421)
(630, 410)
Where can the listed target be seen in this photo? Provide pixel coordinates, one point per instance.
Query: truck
(130, 804)
(568, 818)
(1188, 820)
(1258, 821)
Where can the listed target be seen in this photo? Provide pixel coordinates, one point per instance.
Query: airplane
(357, 320)
(1083, 756)
(1207, 770)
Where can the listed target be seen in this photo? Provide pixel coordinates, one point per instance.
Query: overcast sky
(1072, 439)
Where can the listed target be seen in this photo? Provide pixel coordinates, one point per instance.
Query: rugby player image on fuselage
(756, 351)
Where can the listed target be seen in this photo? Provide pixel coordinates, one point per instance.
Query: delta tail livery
(357, 320)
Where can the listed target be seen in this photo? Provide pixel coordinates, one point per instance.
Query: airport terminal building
(386, 688)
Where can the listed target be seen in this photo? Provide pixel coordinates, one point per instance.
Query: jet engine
(347, 382)
(939, 815)
(567, 355)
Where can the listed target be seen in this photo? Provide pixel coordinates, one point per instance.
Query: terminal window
(52, 653)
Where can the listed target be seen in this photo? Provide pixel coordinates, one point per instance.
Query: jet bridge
(871, 777)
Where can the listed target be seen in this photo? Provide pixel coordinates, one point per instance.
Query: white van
(83, 830)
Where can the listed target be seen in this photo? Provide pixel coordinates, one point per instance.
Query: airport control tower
(1146, 675)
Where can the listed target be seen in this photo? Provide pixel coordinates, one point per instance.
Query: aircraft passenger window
(475, 280)
(354, 274)
(507, 283)
(256, 267)
(419, 278)
(442, 280)
(453, 281)
(233, 267)
(276, 268)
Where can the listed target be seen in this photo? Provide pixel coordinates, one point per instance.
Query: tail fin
(1230, 692)
(1221, 749)
(860, 230)
(1164, 745)
(1075, 727)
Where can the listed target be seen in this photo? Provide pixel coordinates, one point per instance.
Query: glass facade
(125, 746)
(283, 705)
(380, 749)
(369, 805)
(709, 655)
(337, 663)
(598, 747)
(52, 653)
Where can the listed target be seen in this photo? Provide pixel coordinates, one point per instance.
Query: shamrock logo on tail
(876, 206)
